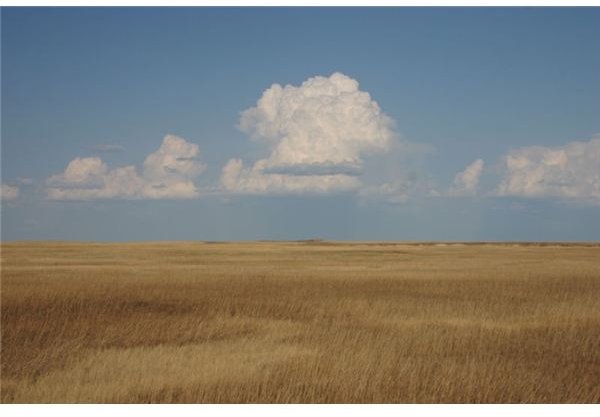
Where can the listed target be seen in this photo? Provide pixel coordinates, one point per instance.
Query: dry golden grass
(300, 322)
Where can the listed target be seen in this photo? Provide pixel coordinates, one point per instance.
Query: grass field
(300, 322)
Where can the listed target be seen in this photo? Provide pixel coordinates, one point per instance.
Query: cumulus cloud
(571, 171)
(25, 180)
(401, 190)
(8, 192)
(167, 173)
(175, 159)
(466, 182)
(316, 136)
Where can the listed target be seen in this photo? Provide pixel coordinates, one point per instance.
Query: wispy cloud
(401, 190)
(25, 181)
(466, 182)
(254, 180)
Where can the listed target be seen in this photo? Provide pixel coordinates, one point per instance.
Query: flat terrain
(300, 322)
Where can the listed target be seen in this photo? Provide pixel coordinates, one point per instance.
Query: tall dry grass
(300, 322)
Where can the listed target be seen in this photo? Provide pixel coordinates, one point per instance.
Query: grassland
(300, 322)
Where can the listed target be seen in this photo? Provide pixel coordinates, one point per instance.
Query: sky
(467, 124)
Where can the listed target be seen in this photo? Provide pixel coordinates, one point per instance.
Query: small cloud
(570, 172)
(167, 173)
(466, 182)
(81, 172)
(8, 193)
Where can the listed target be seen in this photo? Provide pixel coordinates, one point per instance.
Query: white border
(560, 410)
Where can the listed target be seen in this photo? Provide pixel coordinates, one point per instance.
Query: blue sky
(396, 124)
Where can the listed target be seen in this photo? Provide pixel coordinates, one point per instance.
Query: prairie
(300, 322)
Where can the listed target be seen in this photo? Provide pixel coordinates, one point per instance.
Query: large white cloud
(167, 173)
(571, 171)
(316, 136)
(8, 192)
(466, 182)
